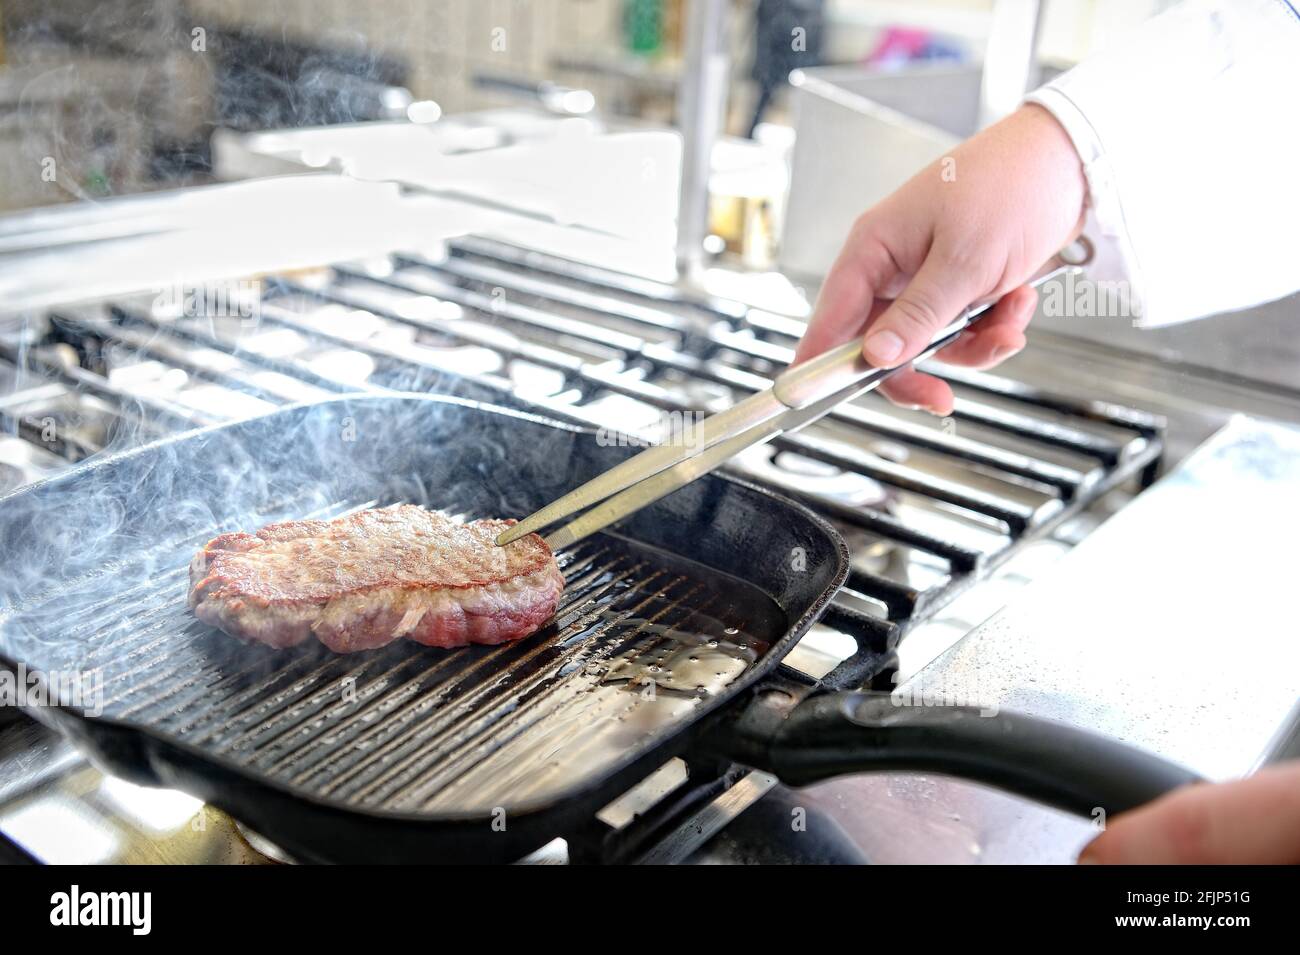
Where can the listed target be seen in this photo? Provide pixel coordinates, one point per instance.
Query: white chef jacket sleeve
(1189, 132)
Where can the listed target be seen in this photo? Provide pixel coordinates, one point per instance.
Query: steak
(370, 578)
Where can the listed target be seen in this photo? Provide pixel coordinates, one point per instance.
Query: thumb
(1254, 820)
(937, 294)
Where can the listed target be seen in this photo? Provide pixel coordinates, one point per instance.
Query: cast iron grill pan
(412, 753)
(407, 731)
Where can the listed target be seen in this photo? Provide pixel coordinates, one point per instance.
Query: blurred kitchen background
(413, 195)
(827, 105)
(126, 94)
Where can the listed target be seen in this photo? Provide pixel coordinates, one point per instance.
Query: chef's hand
(973, 225)
(1250, 821)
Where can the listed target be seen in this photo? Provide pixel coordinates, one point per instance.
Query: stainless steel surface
(572, 171)
(859, 136)
(60, 809)
(701, 107)
(563, 100)
(1196, 402)
(1167, 628)
(151, 243)
(1258, 345)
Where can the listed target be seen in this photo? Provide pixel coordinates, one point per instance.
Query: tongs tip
(510, 535)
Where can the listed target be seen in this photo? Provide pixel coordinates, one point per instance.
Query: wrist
(1051, 142)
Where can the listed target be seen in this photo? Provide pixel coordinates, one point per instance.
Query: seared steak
(367, 579)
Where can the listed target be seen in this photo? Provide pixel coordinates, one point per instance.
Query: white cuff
(1114, 260)
(1188, 130)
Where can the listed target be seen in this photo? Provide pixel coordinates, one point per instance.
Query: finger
(937, 294)
(909, 388)
(848, 295)
(996, 336)
(1254, 820)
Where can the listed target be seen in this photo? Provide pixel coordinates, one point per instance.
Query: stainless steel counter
(1169, 627)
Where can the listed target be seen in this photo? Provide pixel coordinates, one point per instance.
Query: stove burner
(805, 475)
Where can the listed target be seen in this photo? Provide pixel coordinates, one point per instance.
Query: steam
(95, 559)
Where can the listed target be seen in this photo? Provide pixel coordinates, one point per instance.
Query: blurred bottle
(643, 22)
(787, 36)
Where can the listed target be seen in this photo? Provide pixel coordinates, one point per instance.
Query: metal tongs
(798, 397)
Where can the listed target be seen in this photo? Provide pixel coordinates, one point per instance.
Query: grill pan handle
(1058, 765)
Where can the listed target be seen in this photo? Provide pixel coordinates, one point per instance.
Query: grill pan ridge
(100, 555)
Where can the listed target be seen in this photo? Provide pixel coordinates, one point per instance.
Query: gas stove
(945, 519)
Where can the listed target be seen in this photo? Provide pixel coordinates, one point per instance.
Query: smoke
(95, 559)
